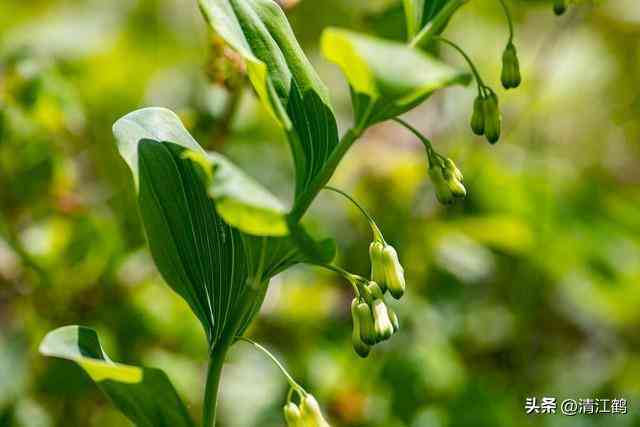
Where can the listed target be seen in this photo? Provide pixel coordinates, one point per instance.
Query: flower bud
(510, 76)
(359, 346)
(383, 325)
(374, 290)
(394, 319)
(311, 413)
(443, 193)
(377, 269)
(453, 177)
(559, 7)
(477, 118)
(393, 271)
(365, 322)
(293, 416)
(492, 117)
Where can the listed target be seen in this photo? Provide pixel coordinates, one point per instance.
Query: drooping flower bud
(374, 290)
(443, 193)
(377, 269)
(382, 323)
(311, 413)
(510, 76)
(492, 124)
(454, 178)
(293, 416)
(365, 322)
(394, 272)
(394, 319)
(477, 118)
(359, 346)
(559, 7)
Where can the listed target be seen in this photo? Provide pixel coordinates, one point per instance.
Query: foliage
(75, 199)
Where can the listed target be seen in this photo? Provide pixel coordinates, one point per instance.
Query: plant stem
(435, 27)
(508, 15)
(318, 183)
(351, 278)
(377, 234)
(290, 379)
(474, 70)
(216, 360)
(431, 153)
(218, 354)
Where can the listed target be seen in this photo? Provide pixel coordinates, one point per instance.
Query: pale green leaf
(144, 395)
(387, 78)
(240, 201)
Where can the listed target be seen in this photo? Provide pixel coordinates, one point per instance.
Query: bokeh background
(530, 287)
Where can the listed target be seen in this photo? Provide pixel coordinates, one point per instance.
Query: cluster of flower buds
(373, 320)
(446, 178)
(486, 119)
(386, 269)
(559, 7)
(307, 414)
(510, 76)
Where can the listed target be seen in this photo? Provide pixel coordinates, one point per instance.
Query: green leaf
(199, 248)
(240, 201)
(421, 13)
(144, 395)
(283, 78)
(386, 78)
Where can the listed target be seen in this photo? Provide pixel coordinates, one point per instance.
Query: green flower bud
(559, 7)
(443, 193)
(377, 269)
(374, 290)
(293, 416)
(359, 346)
(453, 177)
(492, 117)
(477, 118)
(383, 325)
(393, 271)
(450, 166)
(394, 319)
(365, 322)
(311, 413)
(510, 68)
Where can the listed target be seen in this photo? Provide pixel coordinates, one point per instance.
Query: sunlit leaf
(198, 248)
(144, 395)
(282, 77)
(386, 78)
(240, 201)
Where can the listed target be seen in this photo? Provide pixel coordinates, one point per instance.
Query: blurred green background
(530, 287)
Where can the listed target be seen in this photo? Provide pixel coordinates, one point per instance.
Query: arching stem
(377, 234)
(472, 66)
(509, 20)
(294, 385)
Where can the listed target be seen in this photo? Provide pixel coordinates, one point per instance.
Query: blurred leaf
(387, 78)
(420, 13)
(282, 76)
(144, 395)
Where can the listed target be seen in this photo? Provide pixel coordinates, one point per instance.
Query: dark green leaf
(144, 395)
(386, 78)
(282, 76)
(210, 263)
(420, 13)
